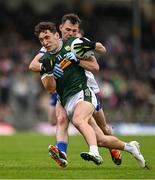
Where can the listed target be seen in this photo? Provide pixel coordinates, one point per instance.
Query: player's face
(49, 40)
(69, 30)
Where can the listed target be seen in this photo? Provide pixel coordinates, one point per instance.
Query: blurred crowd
(127, 84)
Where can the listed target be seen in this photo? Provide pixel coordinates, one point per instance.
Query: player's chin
(68, 36)
(49, 48)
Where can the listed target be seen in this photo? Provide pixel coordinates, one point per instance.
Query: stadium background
(127, 72)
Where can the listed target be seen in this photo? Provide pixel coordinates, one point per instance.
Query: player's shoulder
(69, 40)
(67, 43)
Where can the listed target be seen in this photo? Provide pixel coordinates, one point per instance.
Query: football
(78, 55)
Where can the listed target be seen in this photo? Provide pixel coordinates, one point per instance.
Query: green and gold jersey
(73, 79)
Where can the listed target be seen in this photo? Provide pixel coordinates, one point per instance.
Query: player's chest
(57, 58)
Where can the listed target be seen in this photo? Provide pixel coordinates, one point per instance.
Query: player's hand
(71, 56)
(46, 66)
(57, 71)
(85, 46)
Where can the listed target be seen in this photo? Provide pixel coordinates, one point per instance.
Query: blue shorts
(53, 99)
(98, 107)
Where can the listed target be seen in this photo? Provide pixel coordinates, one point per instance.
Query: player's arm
(35, 65)
(49, 83)
(90, 64)
(39, 64)
(87, 45)
(99, 48)
(47, 77)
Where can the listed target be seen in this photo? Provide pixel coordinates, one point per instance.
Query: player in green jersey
(70, 28)
(81, 105)
(73, 84)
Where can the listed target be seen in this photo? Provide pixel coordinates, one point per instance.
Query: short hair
(73, 18)
(44, 26)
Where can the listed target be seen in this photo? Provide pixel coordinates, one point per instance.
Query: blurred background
(127, 71)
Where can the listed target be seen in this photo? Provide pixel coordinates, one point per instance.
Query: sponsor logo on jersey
(80, 85)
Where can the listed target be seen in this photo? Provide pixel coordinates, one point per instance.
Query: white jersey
(91, 82)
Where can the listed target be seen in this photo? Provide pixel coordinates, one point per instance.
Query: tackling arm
(99, 48)
(90, 64)
(35, 64)
(47, 80)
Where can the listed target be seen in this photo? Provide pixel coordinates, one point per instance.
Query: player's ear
(57, 35)
(60, 27)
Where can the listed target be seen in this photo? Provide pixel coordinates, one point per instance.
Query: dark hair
(44, 26)
(73, 18)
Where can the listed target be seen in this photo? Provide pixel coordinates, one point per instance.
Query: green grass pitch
(25, 156)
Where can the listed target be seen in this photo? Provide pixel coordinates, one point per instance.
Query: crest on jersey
(67, 48)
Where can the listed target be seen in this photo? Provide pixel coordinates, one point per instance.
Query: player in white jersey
(92, 82)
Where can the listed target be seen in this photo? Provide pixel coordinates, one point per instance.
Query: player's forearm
(99, 48)
(49, 83)
(35, 64)
(90, 64)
